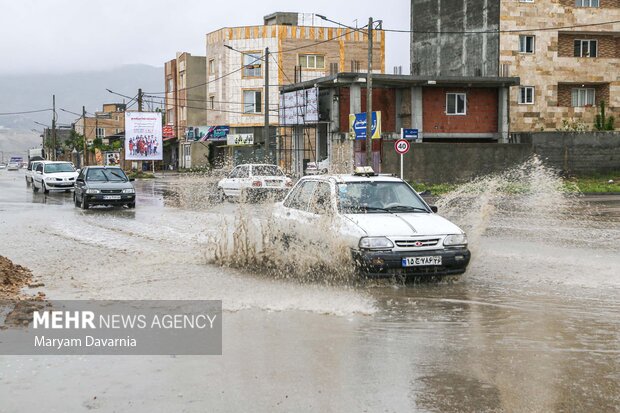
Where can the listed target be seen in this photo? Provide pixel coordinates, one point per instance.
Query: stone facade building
(566, 60)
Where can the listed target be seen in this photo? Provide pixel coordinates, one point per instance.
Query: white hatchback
(252, 181)
(388, 227)
(54, 176)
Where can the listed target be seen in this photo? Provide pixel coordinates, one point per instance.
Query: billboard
(299, 107)
(143, 136)
(240, 139)
(357, 125)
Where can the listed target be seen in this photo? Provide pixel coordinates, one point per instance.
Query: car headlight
(50, 178)
(129, 191)
(93, 191)
(457, 239)
(375, 243)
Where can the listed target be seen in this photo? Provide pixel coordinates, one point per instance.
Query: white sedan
(54, 176)
(388, 227)
(254, 181)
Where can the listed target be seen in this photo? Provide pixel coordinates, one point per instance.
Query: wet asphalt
(534, 325)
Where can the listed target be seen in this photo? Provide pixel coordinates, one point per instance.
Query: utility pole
(85, 160)
(139, 100)
(266, 108)
(53, 127)
(369, 97)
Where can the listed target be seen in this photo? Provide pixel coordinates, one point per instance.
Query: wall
(577, 153)
(481, 113)
(383, 100)
(454, 54)
(450, 162)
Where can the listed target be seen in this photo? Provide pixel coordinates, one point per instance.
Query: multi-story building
(300, 47)
(185, 100)
(106, 124)
(566, 56)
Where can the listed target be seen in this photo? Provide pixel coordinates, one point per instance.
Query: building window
(251, 101)
(211, 67)
(583, 97)
(526, 44)
(586, 3)
(586, 48)
(170, 85)
(456, 103)
(526, 95)
(312, 61)
(100, 133)
(182, 83)
(183, 114)
(252, 65)
(170, 116)
(211, 102)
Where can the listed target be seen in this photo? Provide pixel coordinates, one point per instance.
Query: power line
(25, 112)
(528, 30)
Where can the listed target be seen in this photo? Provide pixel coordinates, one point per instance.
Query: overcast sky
(57, 36)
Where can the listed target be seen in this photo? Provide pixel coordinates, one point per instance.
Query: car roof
(54, 161)
(256, 164)
(102, 167)
(345, 178)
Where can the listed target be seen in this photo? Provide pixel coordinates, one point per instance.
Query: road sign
(402, 146)
(411, 134)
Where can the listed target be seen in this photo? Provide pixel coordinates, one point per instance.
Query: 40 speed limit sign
(402, 146)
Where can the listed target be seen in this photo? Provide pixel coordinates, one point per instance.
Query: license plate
(272, 183)
(421, 261)
(111, 197)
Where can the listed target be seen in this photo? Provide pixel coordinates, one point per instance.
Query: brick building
(185, 103)
(107, 123)
(567, 62)
(300, 49)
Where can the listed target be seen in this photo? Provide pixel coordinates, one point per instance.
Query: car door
(243, 180)
(80, 184)
(227, 183)
(295, 219)
(38, 176)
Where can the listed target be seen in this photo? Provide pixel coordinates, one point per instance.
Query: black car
(103, 185)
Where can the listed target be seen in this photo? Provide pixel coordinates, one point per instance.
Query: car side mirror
(79, 180)
(132, 179)
(434, 208)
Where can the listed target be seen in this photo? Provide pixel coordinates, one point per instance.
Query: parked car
(2, 166)
(254, 181)
(321, 167)
(104, 185)
(30, 171)
(388, 227)
(54, 175)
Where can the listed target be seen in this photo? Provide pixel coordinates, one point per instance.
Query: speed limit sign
(402, 146)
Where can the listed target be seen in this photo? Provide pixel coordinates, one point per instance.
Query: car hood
(62, 175)
(399, 224)
(108, 185)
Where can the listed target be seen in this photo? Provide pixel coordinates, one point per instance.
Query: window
(170, 85)
(182, 80)
(456, 103)
(100, 133)
(586, 48)
(170, 116)
(211, 67)
(321, 201)
(252, 65)
(583, 97)
(251, 101)
(586, 3)
(183, 113)
(301, 197)
(526, 1)
(526, 95)
(244, 172)
(312, 61)
(211, 102)
(526, 44)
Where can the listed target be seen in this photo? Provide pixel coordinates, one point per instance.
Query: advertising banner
(240, 139)
(299, 107)
(143, 136)
(112, 158)
(357, 125)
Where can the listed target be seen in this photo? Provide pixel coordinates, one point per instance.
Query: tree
(602, 122)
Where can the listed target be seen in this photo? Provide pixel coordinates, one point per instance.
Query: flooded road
(533, 326)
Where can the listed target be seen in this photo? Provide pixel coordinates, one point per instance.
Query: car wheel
(75, 200)
(44, 188)
(221, 196)
(323, 171)
(84, 204)
(34, 187)
(27, 182)
(131, 205)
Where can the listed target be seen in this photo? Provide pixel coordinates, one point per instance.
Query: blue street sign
(410, 134)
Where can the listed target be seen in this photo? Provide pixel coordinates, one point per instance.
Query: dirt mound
(12, 278)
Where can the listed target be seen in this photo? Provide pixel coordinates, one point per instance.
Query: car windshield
(53, 168)
(378, 197)
(105, 175)
(266, 170)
